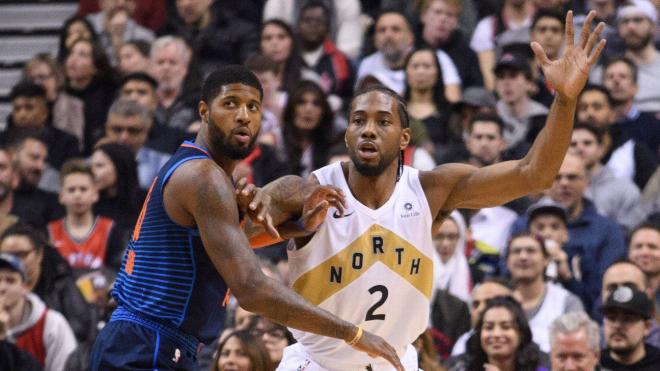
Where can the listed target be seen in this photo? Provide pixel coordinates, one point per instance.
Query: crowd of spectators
(567, 277)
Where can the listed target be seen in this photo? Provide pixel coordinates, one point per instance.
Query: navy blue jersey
(166, 274)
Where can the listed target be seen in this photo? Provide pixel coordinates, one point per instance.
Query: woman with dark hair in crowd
(90, 77)
(308, 129)
(279, 44)
(67, 110)
(73, 29)
(275, 337)
(242, 351)
(133, 56)
(115, 173)
(425, 94)
(502, 340)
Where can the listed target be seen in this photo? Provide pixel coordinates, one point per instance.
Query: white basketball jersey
(373, 268)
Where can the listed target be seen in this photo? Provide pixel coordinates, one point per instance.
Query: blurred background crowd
(88, 120)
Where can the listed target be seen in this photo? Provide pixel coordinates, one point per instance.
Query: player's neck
(372, 192)
(227, 164)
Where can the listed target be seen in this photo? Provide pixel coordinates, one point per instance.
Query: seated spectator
(509, 25)
(425, 94)
(133, 56)
(274, 336)
(547, 29)
(31, 115)
(272, 101)
(86, 241)
(547, 219)
(114, 25)
(331, 68)
(485, 145)
(49, 277)
(440, 30)
(91, 78)
(502, 338)
(481, 294)
(627, 313)
(215, 34)
(626, 157)
(170, 66)
(394, 39)
(450, 317)
(521, 114)
(626, 273)
(30, 204)
(620, 78)
(8, 181)
(637, 22)
(129, 123)
(241, 350)
(29, 322)
(115, 175)
(474, 100)
(597, 240)
(451, 266)
(73, 29)
(307, 128)
(575, 343)
(644, 250)
(67, 111)
(142, 88)
(614, 197)
(542, 302)
(345, 28)
(279, 44)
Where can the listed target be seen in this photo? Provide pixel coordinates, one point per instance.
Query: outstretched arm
(496, 184)
(199, 194)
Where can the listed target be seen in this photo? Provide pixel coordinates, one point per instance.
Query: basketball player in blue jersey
(378, 254)
(188, 249)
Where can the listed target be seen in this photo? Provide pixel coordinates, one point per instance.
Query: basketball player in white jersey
(372, 263)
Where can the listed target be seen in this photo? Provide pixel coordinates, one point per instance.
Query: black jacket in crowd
(650, 362)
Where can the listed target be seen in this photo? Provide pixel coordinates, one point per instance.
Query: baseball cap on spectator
(513, 61)
(13, 263)
(477, 97)
(638, 7)
(547, 205)
(631, 300)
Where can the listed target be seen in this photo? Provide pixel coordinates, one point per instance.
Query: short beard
(220, 141)
(392, 54)
(623, 352)
(636, 47)
(367, 169)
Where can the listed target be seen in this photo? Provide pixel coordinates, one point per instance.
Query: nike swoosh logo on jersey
(337, 216)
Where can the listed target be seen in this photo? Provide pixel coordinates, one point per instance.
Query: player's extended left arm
(499, 183)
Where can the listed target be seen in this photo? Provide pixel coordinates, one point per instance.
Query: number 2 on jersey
(383, 296)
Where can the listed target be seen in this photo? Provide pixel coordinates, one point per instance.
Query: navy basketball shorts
(127, 345)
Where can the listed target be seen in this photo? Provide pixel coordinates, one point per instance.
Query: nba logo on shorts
(177, 355)
(303, 367)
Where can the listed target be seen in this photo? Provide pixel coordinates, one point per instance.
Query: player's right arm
(199, 194)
